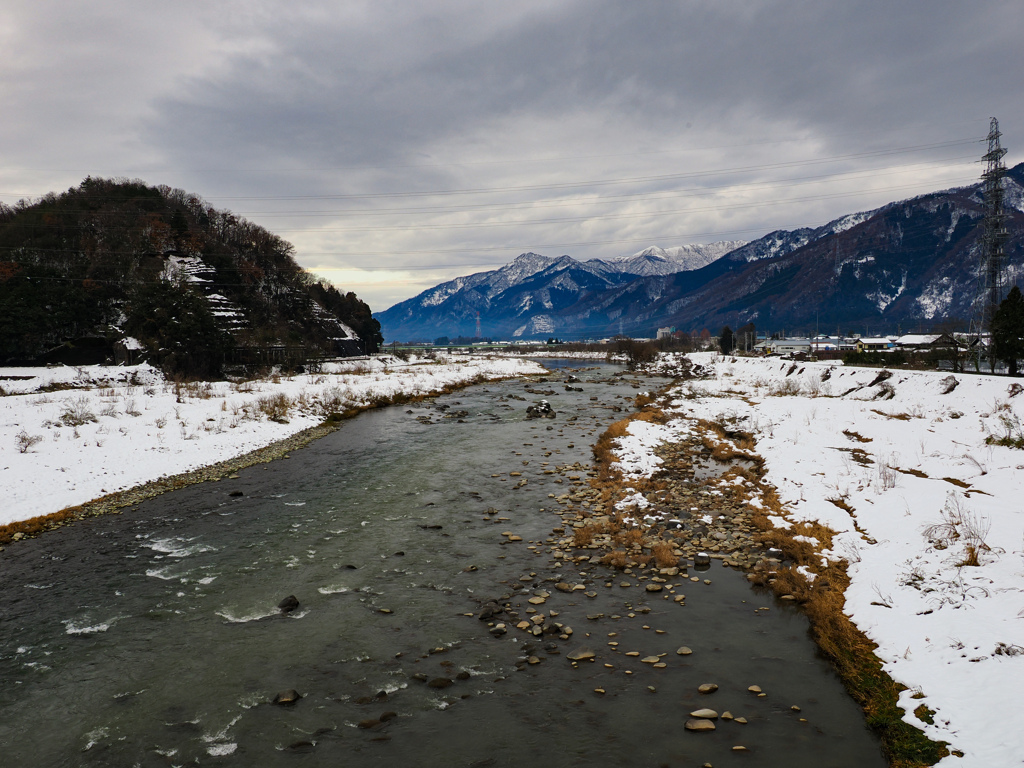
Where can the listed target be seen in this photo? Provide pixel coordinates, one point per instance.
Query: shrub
(76, 413)
(583, 537)
(787, 387)
(274, 407)
(24, 441)
(663, 555)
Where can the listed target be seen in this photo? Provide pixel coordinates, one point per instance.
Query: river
(153, 638)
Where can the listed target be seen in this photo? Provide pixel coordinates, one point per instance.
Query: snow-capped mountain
(909, 263)
(666, 261)
(519, 298)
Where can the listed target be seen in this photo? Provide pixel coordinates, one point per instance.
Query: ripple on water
(167, 573)
(94, 737)
(333, 589)
(83, 627)
(177, 546)
(228, 615)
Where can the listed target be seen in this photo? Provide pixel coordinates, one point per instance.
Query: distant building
(789, 346)
(874, 344)
(664, 333)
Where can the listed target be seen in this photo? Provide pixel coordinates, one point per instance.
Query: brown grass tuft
(663, 555)
(615, 559)
(583, 537)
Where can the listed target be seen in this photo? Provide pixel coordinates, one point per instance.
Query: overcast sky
(399, 144)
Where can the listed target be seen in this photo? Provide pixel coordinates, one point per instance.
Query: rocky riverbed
(427, 616)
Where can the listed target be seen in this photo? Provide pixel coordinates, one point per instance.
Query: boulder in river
(699, 724)
(490, 610)
(541, 410)
(289, 604)
(287, 698)
(581, 654)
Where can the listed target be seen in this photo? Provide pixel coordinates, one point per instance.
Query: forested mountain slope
(119, 265)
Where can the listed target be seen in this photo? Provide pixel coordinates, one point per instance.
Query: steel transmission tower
(992, 274)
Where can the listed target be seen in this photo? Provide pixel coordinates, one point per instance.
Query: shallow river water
(153, 638)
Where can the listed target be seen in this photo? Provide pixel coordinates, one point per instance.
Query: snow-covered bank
(70, 435)
(900, 467)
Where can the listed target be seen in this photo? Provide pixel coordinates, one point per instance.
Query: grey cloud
(268, 99)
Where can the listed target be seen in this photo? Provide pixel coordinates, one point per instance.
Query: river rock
(581, 654)
(754, 689)
(287, 698)
(708, 688)
(289, 604)
(699, 724)
(540, 410)
(684, 651)
(653, 587)
(705, 714)
(490, 610)
(440, 682)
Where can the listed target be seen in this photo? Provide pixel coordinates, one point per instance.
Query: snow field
(908, 456)
(70, 435)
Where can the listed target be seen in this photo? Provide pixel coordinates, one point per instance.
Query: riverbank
(394, 535)
(891, 495)
(81, 441)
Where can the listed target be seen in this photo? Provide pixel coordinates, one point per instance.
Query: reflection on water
(155, 638)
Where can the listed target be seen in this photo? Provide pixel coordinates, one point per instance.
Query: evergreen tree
(1008, 330)
(727, 341)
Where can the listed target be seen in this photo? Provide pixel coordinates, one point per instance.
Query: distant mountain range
(909, 263)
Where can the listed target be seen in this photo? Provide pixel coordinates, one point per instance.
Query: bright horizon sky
(398, 145)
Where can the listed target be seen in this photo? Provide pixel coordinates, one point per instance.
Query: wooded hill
(115, 268)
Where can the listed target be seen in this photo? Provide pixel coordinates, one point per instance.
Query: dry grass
(583, 537)
(730, 445)
(856, 436)
(630, 537)
(914, 472)
(859, 455)
(896, 416)
(840, 502)
(274, 407)
(663, 554)
(642, 400)
(35, 525)
(615, 559)
(839, 639)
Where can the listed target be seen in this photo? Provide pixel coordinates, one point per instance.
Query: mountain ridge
(906, 263)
